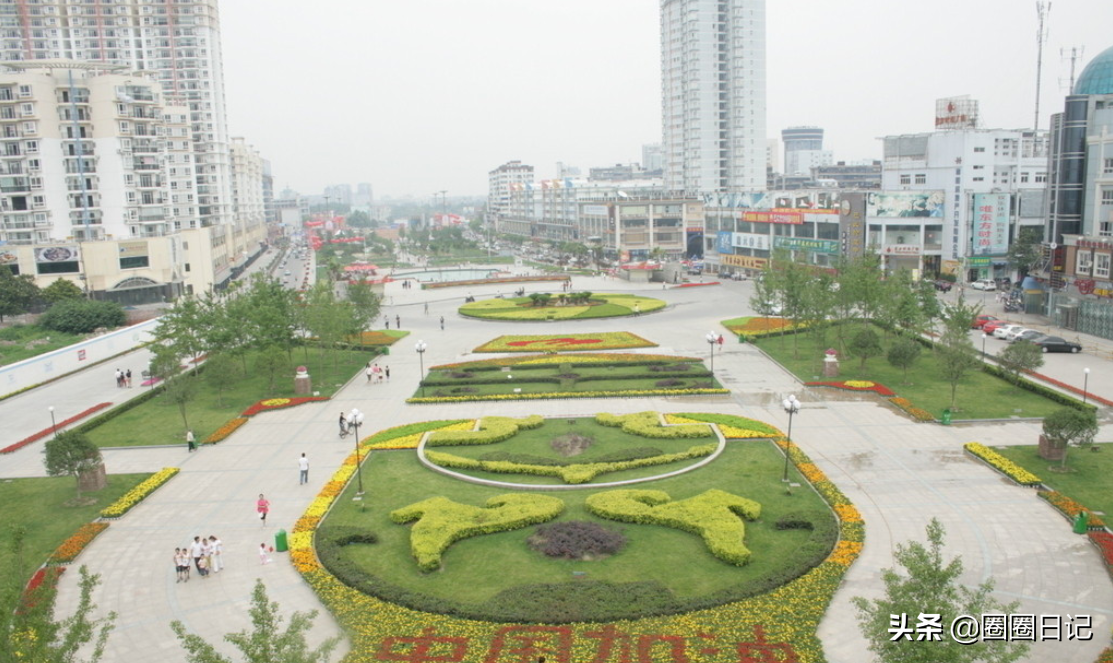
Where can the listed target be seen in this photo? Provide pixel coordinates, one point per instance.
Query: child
(264, 558)
(203, 566)
(178, 560)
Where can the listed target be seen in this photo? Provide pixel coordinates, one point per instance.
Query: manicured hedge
(441, 522)
(491, 430)
(572, 473)
(715, 515)
(622, 455)
(1042, 390)
(647, 424)
(732, 421)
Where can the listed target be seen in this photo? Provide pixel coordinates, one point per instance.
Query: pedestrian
(218, 553)
(343, 425)
(195, 551)
(387, 371)
(370, 372)
(127, 378)
(178, 564)
(386, 321)
(119, 378)
(426, 308)
(264, 558)
(720, 342)
(191, 442)
(262, 506)
(203, 566)
(442, 323)
(206, 557)
(303, 465)
(637, 309)
(397, 322)
(183, 559)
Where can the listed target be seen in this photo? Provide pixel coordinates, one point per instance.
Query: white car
(1003, 331)
(1015, 333)
(984, 284)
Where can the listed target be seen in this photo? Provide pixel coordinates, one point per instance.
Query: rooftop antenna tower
(1042, 10)
(1075, 55)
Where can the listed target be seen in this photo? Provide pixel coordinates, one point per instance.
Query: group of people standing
(375, 373)
(207, 555)
(123, 378)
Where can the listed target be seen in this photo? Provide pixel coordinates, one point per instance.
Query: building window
(1041, 177)
(921, 178)
(1107, 196)
(1108, 170)
(1101, 265)
(1024, 177)
(906, 179)
(1084, 263)
(979, 149)
(979, 179)
(32, 146)
(134, 262)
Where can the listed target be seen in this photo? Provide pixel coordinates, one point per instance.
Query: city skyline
(417, 99)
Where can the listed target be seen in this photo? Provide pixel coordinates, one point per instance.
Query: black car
(943, 286)
(1056, 344)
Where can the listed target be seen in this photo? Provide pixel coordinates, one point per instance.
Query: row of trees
(260, 318)
(19, 294)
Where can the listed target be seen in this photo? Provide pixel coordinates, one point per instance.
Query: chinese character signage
(828, 246)
(990, 224)
(900, 204)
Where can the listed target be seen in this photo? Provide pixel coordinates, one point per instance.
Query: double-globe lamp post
(355, 418)
(791, 406)
(421, 346)
(712, 339)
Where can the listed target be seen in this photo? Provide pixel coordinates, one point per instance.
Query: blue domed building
(1080, 203)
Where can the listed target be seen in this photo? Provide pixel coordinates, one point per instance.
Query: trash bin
(280, 541)
(947, 417)
(1081, 522)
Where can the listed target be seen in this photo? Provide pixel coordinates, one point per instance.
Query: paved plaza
(898, 473)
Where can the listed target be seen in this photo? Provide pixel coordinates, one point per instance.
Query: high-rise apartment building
(179, 40)
(713, 94)
(804, 150)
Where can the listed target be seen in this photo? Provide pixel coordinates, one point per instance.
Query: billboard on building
(8, 257)
(956, 113)
(53, 254)
(852, 225)
(826, 246)
(991, 224)
(896, 204)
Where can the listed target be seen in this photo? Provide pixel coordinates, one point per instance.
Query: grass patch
(979, 396)
(158, 421)
(1087, 482)
(20, 342)
(37, 505)
(484, 572)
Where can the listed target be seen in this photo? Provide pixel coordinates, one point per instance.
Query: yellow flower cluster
(1002, 464)
(848, 513)
(845, 552)
(859, 384)
(275, 402)
(812, 473)
(572, 358)
(413, 439)
(558, 342)
(616, 393)
(137, 494)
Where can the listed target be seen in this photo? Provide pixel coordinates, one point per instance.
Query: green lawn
(1087, 482)
(979, 396)
(20, 342)
(38, 506)
(159, 421)
(476, 570)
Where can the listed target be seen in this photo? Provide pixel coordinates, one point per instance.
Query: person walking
(343, 425)
(370, 372)
(386, 321)
(191, 442)
(127, 378)
(264, 558)
(119, 378)
(387, 371)
(196, 551)
(397, 322)
(263, 507)
(303, 466)
(178, 564)
(218, 553)
(442, 323)
(426, 308)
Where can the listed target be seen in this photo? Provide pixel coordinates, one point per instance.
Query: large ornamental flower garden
(562, 307)
(717, 562)
(566, 342)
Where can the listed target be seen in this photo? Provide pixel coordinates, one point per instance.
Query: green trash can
(947, 417)
(1081, 522)
(280, 541)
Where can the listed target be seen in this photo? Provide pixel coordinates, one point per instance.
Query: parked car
(1028, 335)
(943, 286)
(984, 284)
(980, 320)
(1014, 334)
(1002, 332)
(1056, 344)
(994, 325)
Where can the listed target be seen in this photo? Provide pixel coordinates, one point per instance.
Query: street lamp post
(355, 418)
(421, 346)
(712, 339)
(984, 337)
(1085, 384)
(791, 406)
(54, 425)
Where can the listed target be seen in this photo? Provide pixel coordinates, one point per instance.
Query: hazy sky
(418, 96)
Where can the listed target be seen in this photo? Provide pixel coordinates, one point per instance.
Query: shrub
(671, 382)
(646, 424)
(794, 521)
(576, 539)
(82, 316)
(491, 430)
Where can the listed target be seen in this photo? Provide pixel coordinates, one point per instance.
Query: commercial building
(500, 182)
(713, 95)
(804, 150)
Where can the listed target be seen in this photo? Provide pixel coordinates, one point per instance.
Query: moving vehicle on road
(984, 284)
(1056, 344)
(943, 286)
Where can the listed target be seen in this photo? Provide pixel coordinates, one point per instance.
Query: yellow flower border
(139, 493)
(788, 614)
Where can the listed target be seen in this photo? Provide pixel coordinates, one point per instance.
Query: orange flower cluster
(761, 325)
(848, 513)
(225, 430)
(376, 338)
(278, 403)
(845, 552)
(1070, 508)
(72, 547)
(906, 405)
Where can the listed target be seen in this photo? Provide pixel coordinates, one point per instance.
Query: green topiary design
(648, 424)
(714, 515)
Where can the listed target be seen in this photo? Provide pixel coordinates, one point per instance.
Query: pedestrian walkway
(897, 472)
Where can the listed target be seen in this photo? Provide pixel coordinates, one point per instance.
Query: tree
(179, 387)
(71, 453)
(1026, 250)
(61, 290)
(365, 303)
(902, 354)
(359, 219)
(1020, 357)
(30, 633)
(929, 586)
(271, 361)
(81, 316)
(957, 356)
(220, 371)
(183, 329)
(17, 293)
(1067, 426)
(865, 344)
(267, 642)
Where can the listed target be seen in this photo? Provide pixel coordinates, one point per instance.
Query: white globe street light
(791, 406)
(355, 418)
